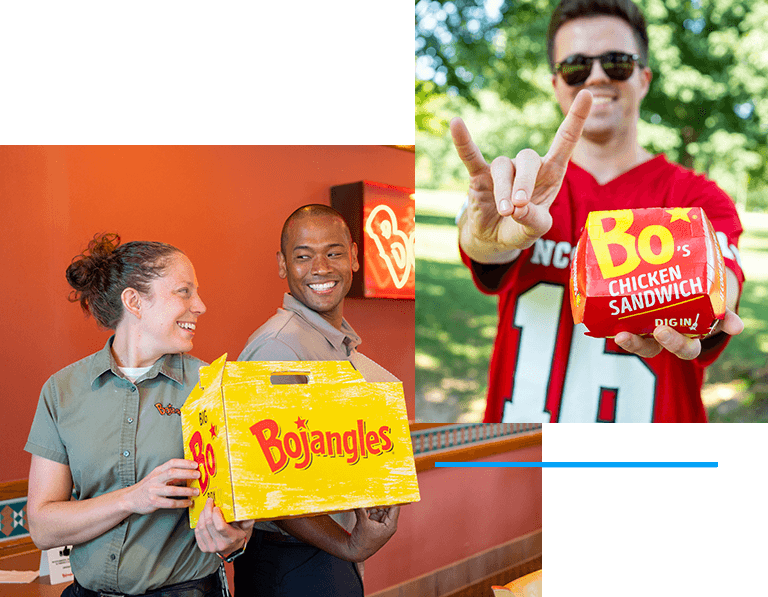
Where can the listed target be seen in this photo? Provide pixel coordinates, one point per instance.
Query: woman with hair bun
(108, 474)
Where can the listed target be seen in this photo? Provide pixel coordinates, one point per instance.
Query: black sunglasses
(617, 65)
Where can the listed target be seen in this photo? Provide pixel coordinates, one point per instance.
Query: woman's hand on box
(164, 487)
(215, 535)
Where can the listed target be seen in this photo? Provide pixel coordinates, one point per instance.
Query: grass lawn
(456, 326)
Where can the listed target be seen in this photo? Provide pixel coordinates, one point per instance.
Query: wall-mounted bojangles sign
(382, 221)
(269, 450)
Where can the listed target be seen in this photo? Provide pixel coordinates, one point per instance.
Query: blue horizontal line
(576, 464)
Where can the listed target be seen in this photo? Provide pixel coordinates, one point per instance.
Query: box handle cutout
(289, 377)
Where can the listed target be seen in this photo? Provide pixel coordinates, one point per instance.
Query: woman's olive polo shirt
(112, 433)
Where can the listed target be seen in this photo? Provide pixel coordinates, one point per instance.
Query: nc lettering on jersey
(557, 254)
(634, 267)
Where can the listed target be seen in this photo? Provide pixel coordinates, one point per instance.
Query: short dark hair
(313, 209)
(626, 10)
(99, 274)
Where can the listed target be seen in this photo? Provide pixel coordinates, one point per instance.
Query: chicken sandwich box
(636, 269)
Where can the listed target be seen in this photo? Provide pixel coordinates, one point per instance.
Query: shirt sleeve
(268, 350)
(369, 369)
(494, 278)
(44, 439)
(724, 218)
(722, 213)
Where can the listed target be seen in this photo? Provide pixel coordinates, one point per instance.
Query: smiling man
(319, 555)
(523, 219)
(317, 258)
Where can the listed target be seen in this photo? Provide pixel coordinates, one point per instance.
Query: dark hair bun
(89, 272)
(99, 274)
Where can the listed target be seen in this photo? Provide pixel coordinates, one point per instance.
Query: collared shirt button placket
(128, 432)
(126, 471)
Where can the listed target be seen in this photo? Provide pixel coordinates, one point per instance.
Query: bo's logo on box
(635, 269)
(655, 243)
(206, 463)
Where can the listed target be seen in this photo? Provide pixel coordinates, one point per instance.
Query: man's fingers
(644, 347)
(569, 132)
(393, 514)
(533, 222)
(466, 148)
(244, 525)
(510, 178)
(201, 529)
(732, 324)
(212, 531)
(664, 337)
(679, 345)
(221, 525)
(502, 172)
(527, 165)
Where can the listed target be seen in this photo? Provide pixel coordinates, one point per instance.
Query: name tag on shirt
(55, 561)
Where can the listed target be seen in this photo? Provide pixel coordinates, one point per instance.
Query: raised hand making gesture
(509, 200)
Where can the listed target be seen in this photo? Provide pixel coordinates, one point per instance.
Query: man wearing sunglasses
(523, 219)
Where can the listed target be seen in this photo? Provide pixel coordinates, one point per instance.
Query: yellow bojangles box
(270, 450)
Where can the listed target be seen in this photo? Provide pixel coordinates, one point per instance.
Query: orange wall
(462, 512)
(223, 206)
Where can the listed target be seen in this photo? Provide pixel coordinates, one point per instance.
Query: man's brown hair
(626, 10)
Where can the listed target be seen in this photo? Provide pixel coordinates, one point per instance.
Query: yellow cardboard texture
(205, 436)
(277, 450)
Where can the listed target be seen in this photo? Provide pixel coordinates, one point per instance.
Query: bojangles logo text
(301, 446)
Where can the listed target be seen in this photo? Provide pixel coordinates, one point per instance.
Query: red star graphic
(301, 423)
(213, 430)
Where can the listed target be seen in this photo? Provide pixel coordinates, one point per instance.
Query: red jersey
(544, 368)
